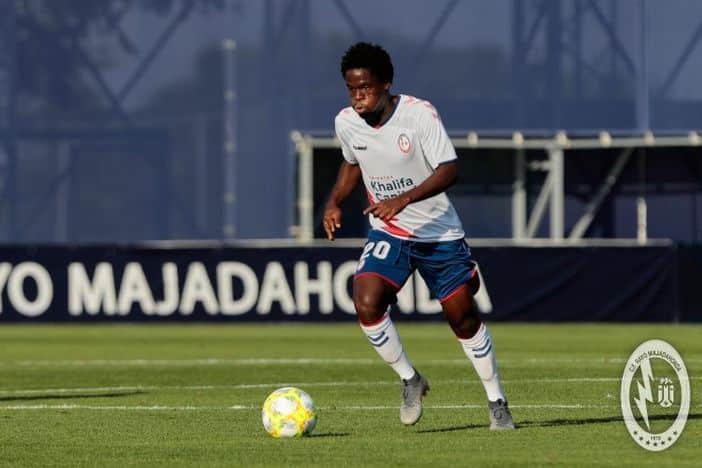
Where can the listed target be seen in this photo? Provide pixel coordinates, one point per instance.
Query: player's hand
(332, 220)
(387, 209)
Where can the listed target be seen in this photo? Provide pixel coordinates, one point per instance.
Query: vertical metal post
(641, 207)
(641, 220)
(230, 138)
(306, 189)
(519, 197)
(555, 155)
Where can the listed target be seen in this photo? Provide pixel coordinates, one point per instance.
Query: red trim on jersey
(453, 293)
(389, 226)
(388, 280)
(397, 230)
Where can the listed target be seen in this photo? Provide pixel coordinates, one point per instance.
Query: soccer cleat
(413, 390)
(500, 416)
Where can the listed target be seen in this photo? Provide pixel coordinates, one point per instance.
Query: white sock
(480, 351)
(384, 338)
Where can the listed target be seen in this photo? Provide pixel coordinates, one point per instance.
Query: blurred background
(123, 121)
(171, 158)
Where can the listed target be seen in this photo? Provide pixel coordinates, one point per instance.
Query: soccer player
(399, 147)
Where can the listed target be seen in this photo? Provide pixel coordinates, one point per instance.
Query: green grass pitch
(190, 395)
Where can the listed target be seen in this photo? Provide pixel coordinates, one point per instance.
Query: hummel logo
(360, 147)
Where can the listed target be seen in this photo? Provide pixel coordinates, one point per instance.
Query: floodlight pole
(230, 140)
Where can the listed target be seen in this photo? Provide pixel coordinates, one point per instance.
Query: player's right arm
(346, 181)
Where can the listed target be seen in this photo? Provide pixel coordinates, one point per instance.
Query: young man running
(399, 147)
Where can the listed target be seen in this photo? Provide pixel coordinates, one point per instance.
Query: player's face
(365, 90)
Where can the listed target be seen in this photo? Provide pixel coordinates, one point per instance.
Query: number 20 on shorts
(379, 250)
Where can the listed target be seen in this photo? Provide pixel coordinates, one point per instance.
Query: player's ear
(386, 86)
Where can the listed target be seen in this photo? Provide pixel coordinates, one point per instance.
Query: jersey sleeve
(345, 148)
(433, 138)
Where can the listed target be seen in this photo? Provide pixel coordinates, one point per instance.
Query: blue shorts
(446, 266)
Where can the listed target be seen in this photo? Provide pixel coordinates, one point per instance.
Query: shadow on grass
(560, 422)
(68, 396)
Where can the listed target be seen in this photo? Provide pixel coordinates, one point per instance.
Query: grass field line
(186, 408)
(251, 408)
(291, 361)
(343, 383)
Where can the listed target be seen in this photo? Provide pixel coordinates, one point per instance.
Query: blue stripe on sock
(376, 338)
(485, 353)
(381, 343)
(482, 346)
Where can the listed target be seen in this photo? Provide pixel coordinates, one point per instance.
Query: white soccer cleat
(500, 416)
(413, 390)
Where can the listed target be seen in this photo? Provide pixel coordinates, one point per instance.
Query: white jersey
(398, 156)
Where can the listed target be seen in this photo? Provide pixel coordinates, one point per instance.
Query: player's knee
(466, 328)
(466, 324)
(368, 308)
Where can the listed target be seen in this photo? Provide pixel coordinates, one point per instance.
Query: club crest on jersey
(403, 141)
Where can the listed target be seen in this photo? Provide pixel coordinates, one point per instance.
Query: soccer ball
(289, 412)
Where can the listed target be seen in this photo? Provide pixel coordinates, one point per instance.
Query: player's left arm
(439, 153)
(443, 177)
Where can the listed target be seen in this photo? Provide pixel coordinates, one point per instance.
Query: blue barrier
(109, 283)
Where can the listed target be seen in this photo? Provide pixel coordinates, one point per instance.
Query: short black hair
(370, 56)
